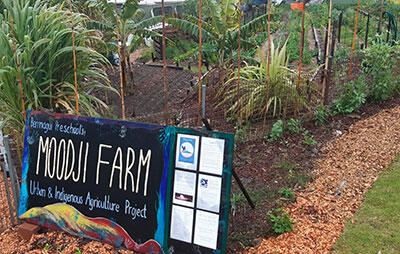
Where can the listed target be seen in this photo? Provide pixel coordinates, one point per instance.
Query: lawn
(376, 225)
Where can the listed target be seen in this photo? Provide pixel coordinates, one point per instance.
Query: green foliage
(241, 131)
(44, 49)
(308, 139)
(294, 126)
(47, 246)
(351, 98)
(286, 193)
(288, 166)
(281, 221)
(276, 131)
(253, 101)
(235, 200)
(78, 251)
(178, 48)
(379, 63)
(220, 34)
(321, 113)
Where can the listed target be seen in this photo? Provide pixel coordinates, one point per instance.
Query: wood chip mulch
(349, 167)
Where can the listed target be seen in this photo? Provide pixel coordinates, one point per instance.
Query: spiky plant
(44, 50)
(253, 87)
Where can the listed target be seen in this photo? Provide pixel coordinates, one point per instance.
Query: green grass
(376, 224)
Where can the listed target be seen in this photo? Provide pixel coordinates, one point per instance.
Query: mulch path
(350, 165)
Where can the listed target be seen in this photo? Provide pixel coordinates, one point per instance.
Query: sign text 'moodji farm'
(63, 161)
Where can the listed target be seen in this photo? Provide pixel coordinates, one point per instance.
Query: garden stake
(74, 58)
(268, 62)
(17, 65)
(366, 32)
(199, 90)
(380, 19)
(119, 63)
(238, 83)
(237, 178)
(327, 53)
(301, 56)
(354, 40)
(166, 116)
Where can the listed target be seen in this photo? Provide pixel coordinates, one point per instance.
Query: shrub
(294, 126)
(321, 113)
(351, 98)
(276, 131)
(286, 193)
(281, 221)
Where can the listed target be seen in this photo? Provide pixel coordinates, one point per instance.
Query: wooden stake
(354, 40)
(380, 19)
(327, 52)
(21, 90)
(166, 115)
(301, 56)
(74, 58)
(268, 62)
(238, 81)
(120, 63)
(200, 44)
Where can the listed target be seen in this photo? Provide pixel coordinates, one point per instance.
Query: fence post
(340, 25)
(366, 32)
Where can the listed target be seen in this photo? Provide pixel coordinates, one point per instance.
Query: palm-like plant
(131, 23)
(220, 31)
(44, 50)
(253, 87)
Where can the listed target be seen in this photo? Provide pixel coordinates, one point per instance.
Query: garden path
(349, 167)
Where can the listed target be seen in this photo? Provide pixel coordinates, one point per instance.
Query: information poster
(201, 193)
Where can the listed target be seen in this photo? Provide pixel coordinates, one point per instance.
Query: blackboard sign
(115, 181)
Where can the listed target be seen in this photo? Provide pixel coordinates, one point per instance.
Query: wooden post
(239, 65)
(268, 62)
(354, 40)
(366, 32)
(340, 25)
(327, 52)
(199, 74)
(120, 63)
(301, 57)
(74, 59)
(166, 115)
(380, 19)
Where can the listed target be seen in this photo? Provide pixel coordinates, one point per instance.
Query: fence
(9, 186)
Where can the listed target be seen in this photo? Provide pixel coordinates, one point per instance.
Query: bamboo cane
(268, 62)
(120, 63)
(327, 53)
(301, 56)
(166, 115)
(74, 58)
(354, 40)
(199, 77)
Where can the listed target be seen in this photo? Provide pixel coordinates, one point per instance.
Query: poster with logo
(187, 152)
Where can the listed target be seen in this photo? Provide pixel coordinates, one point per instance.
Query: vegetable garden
(299, 88)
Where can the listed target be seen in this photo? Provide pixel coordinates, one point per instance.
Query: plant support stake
(21, 90)
(327, 54)
(238, 81)
(301, 57)
(166, 116)
(74, 58)
(354, 40)
(119, 63)
(268, 62)
(199, 90)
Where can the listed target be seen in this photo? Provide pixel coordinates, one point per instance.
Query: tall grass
(44, 50)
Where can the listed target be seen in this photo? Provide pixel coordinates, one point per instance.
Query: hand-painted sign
(112, 180)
